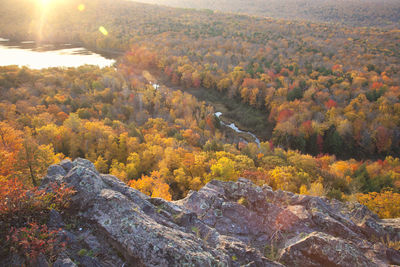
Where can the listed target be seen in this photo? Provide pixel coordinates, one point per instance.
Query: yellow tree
(152, 185)
(224, 169)
(34, 159)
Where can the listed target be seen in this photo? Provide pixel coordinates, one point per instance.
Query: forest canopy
(319, 88)
(360, 13)
(325, 99)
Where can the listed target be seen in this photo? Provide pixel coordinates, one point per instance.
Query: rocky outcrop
(223, 224)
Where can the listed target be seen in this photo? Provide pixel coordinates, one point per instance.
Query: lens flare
(81, 7)
(103, 30)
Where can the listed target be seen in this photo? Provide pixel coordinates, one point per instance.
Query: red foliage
(284, 115)
(196, 82)
(253, 83)
(271, 146)
(307, 127)
(336, 67)
(131, 98)
(18, 202)
(377, 85)
(210, 122)
(21, 206)
(35, 240)
(330, 104)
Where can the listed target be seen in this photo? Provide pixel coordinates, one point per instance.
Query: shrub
(20, 204)
(34, 240)
(24, 213)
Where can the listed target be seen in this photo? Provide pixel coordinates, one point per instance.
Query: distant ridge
(385, 13)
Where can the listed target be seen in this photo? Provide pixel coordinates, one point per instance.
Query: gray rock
(320, 249)
(41, 261)
(56, 171)
(393, 256)
(66, 164)
(55, 220)
(87, 164)
(64, 262)
(89, 262)
(223, 224)
(54, 174)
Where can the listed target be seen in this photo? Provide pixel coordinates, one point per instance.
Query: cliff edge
(223, 224)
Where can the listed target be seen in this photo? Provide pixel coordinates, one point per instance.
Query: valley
(136, 134)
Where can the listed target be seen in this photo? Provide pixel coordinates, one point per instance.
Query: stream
(156, 86)
(236, 129)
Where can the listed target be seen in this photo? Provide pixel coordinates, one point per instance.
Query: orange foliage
(152, 186)
(285, 115)
(10, 145)
(18, 202)
(258, 177)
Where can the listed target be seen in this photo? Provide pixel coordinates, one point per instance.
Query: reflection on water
(35, 56)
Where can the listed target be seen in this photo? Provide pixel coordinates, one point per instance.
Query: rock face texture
(223, 224)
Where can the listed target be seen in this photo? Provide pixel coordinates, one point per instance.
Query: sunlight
(43, 5)
(46, 2)
(81, 7)
(103, 30)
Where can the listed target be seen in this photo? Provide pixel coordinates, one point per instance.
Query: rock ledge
(120, 226)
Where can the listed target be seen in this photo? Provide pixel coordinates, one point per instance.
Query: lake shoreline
(46, 55)
(107, 53)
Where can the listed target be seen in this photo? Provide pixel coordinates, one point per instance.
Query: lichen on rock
(222, 224)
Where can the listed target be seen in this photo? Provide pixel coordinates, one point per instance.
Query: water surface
(34, 56)
(236, 129)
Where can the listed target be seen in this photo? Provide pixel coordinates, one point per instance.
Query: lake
(35, 56)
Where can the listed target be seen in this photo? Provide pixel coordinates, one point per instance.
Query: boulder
(222, 224)
(320, 249)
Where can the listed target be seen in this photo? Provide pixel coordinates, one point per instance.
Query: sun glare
(45, 2)
(103, 30)
(81, 7)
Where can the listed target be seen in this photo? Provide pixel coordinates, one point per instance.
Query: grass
(196, 230)
(271, 252)
(82, 252)
(394, 244)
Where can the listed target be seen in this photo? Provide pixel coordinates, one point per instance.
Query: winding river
(236, 129)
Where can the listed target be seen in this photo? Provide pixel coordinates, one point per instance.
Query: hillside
(146, 159)
(360, 13)
(224, 223)
(314, 87)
